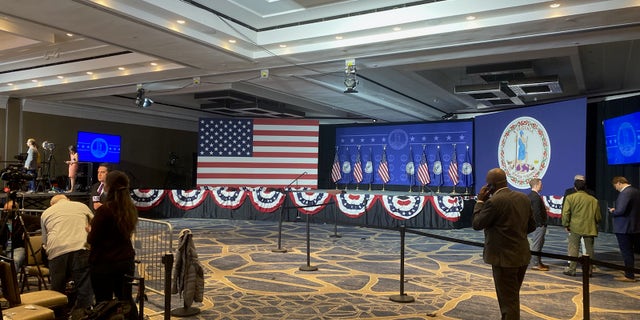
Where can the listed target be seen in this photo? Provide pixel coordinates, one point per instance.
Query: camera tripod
(44, 178)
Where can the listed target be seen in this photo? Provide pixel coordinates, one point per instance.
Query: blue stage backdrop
(546, 141)
(432, 154)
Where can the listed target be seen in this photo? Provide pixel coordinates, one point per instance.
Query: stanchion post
(335, 225)
(279, 248)
(308, 267)
(402, 297)
(585, 261)
(167, 260)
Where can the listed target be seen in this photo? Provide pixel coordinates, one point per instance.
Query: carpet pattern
(359, 271)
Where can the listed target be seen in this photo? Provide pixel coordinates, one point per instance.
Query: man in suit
(540, 216)
(626, 224)
(97, 190)
(506, 217)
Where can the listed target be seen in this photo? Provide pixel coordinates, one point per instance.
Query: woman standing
(112, 254)
(73, 167)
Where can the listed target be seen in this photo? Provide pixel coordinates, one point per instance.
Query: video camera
(15, 175)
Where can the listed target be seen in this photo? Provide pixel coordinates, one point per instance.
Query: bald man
(64, 237)
(506, 218)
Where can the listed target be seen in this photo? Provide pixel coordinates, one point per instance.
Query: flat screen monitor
(98, 147)
(622, 139)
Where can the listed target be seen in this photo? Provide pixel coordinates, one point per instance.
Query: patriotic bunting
(188, 199)
(354, 205)
(310, 202)
(228, 198)
(403, 207)
(145, 199)
(266, 201)
(448, 207)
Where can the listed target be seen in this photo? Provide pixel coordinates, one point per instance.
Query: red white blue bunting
(228, 198)
(266, 200)
(354, 205)
(448, 207)
(403, 207)
(188, 199)
(310, 202)
(553, 205)
(145, 199)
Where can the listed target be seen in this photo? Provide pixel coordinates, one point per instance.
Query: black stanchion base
(308, 268)
(281, 250)
(185, 312)
(402, 298)
(335, 236)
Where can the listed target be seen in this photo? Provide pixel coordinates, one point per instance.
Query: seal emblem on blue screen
(524, 151)
(99, 148)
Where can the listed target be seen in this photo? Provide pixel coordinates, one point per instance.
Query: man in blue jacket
(626, 224)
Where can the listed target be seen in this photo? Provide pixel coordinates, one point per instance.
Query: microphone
(294, 180)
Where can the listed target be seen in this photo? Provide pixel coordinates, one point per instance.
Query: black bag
(105, 310)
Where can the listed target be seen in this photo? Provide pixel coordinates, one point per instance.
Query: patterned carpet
(359, 272)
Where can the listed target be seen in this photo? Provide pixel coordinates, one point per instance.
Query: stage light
(350, 78)
(141, 100)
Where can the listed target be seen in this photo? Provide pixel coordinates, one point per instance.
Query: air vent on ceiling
(490, 92)
(533, 86)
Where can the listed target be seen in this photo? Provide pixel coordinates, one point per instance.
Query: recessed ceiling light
(89, 72)
(339, 38)
(232, 40)
(153, 64)
(181, 21)
(554, 5)
(34, 80)
(397, 28)
(471, 18)
(60, 77)
(283, 46)
(69, 34)
(9, 84)
(121, 68)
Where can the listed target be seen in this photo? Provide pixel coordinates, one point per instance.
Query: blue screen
(98, 147)
(404, 147)
(546, 141)
(622, 138)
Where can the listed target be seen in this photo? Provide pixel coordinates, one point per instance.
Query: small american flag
(257, 152)
(383, 167)
(423, 170)
(453, 168)
(336, 172)
(357, 168)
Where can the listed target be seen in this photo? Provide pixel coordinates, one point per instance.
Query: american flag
(357, 168)
(453, 168)
(336, 172)
(257, 152)
(423, 170)
(383, 167)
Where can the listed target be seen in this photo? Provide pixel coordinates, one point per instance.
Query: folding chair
(33, 305)
(35, 264)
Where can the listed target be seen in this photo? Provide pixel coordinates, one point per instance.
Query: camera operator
(32, 162)
(17, 231)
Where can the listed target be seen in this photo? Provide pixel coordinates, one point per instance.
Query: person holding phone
(506, 218)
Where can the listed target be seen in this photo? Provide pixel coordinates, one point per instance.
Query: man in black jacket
(540, 216)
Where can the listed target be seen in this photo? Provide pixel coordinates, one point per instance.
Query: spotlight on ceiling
(350, 79)
(449, 116)
(141, 100)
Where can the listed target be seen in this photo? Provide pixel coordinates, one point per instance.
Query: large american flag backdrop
(257, 153)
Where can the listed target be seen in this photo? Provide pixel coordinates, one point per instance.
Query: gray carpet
(359, 272)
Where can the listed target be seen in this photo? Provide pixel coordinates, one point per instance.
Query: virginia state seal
(524, 151)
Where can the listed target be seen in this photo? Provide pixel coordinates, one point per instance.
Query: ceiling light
(283, 46)
(397, 28)
(232, 40)
(9, 84)
(89, 72)
(121, 68)
(34, 80)
(339, 38)
(60, 77)
(554, 5)
(181, 21)
(470, 18)
(153, 64)
(69, 34)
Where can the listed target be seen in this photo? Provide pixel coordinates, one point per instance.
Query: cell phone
(490, 188)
